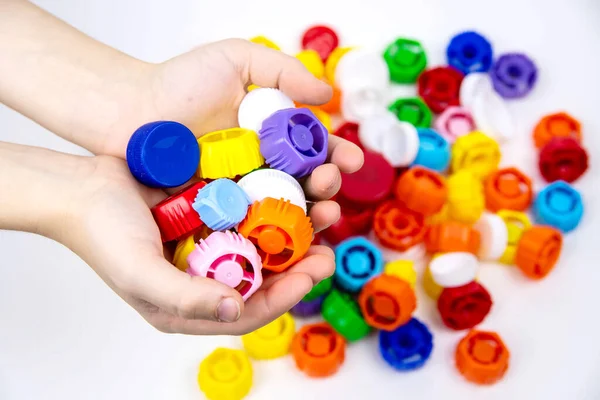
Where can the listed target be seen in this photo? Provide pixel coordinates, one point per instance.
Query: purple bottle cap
(294, 141)
(308, 308)
(513, 75)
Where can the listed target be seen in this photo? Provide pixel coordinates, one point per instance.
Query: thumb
(189, 297)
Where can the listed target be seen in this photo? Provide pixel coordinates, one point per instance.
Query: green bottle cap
(343, 314)
(320, 289)
(412, 110)
(406, 59)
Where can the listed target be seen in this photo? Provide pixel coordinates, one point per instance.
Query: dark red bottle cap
(369, 185)
(563, 158)
(439, 88)
(465, 306)
(321, 39)
(349, 131)
(351, 223)
(175, 216)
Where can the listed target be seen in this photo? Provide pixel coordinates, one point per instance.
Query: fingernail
(228, 310)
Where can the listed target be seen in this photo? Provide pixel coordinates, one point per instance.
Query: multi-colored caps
(321, 39)
(469, 52)
(434, 150)
(422, 190)
(514, 75)
(318, 350)
(226, 374)
(454, 122)
(397, 227)
(163, 154)
(412, 110)
(465, 306)
(439, 87)
(538, 251)
(508, 189)
(221, 204)
(272, 340)
(293, 141)
(357, 261)
(562, 158)
(175, 215)
(482, 357)
(408, 347)
(559, 205)
(273, 183)
(229, 258)
(406, 59)
(280, 230)
(343, 314)
(259, 104)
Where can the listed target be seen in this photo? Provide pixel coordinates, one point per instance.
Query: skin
(95, 96)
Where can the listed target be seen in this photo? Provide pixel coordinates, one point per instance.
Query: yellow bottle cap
(402, 269)
(252, 87)
(272, 340)
(466, 200)
(226, 374)
(229, 153)
(313, 63)
(432, 289)
(186, 246)
(332, 62)
(516, 223)
(265, 42)
(440, 216)
(476, 152)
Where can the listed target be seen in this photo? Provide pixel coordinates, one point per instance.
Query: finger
(319, 263)
(324, 214)
(323, 183)
(183, 295)
(346, 155)
(266, 67)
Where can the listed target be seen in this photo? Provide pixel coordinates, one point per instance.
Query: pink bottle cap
(229, 258)
(454, 122)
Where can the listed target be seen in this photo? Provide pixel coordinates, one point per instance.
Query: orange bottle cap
(387, 302)
(280, 230)
(482, 357)
(422, 190)
(451, 236)
(333, 105)
(318, 350)
(556, 125)
(398, 227)
(538, 251)
(508, 189)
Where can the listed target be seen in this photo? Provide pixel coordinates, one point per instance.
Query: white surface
(64, 335)
(362, 68)
(454, 269)
(494, 236)
(259, 105)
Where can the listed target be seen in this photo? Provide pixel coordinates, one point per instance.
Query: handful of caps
(432, 185)
(245, 210)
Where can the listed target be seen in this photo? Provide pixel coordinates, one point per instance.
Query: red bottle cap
(439, 88)
(369, 185)
(398, 227)
(349, 131)
(316, 239)
(464, 307)
(563, 158)
(321, 39)
(175, 216)
(351, 223)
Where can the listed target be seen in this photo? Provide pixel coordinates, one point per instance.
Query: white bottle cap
(491, 115)
(396, 140)
(361, 68)
(454, 269)
(259, 104)
(494, 236)
(360, 104)
(472, 85)
(273, 183)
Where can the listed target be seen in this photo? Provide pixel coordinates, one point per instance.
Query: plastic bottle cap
(397, 227)
(226, 374)
(406, 59)
(221, 204)
(559, 205)
(387, 302)
(509, 189)
(432, 289)
(360, 104)
(370, 184)
(538, 251)
(439, 87)
(452, 236)
(361, 69)
(465, 197)
(351, 223)
(556, 125)
(308, 308)
(473, 85)
(320, 289)
(422, 190)
(412, 110)
(318, 350)
(397, 141)
(321, 39)
(514, 75)
(272, 340)
(454, 122)
(357, 261)
(269, 223)
(408, 347)
(343, 314)
(313, 63)
(230, 259)
(476, 152)
(494, 237)
(163, 154)
(402, 269)
(454, 269)
(265, 42)
(229, 153)
(434, 150)
(259, 104)
(469, 52)
(187, 245)
(322, 116)
(562, 158)
(294, 141)
(349, 131)
(332, 62)
(465, 306)
(482, 357)
(264, 183)
(491, 115)
(175, 215)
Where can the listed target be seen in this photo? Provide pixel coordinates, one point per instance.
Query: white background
(64, 335)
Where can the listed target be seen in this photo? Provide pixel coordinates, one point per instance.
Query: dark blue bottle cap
(408, 347)
(163, 154)
(469, 52)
